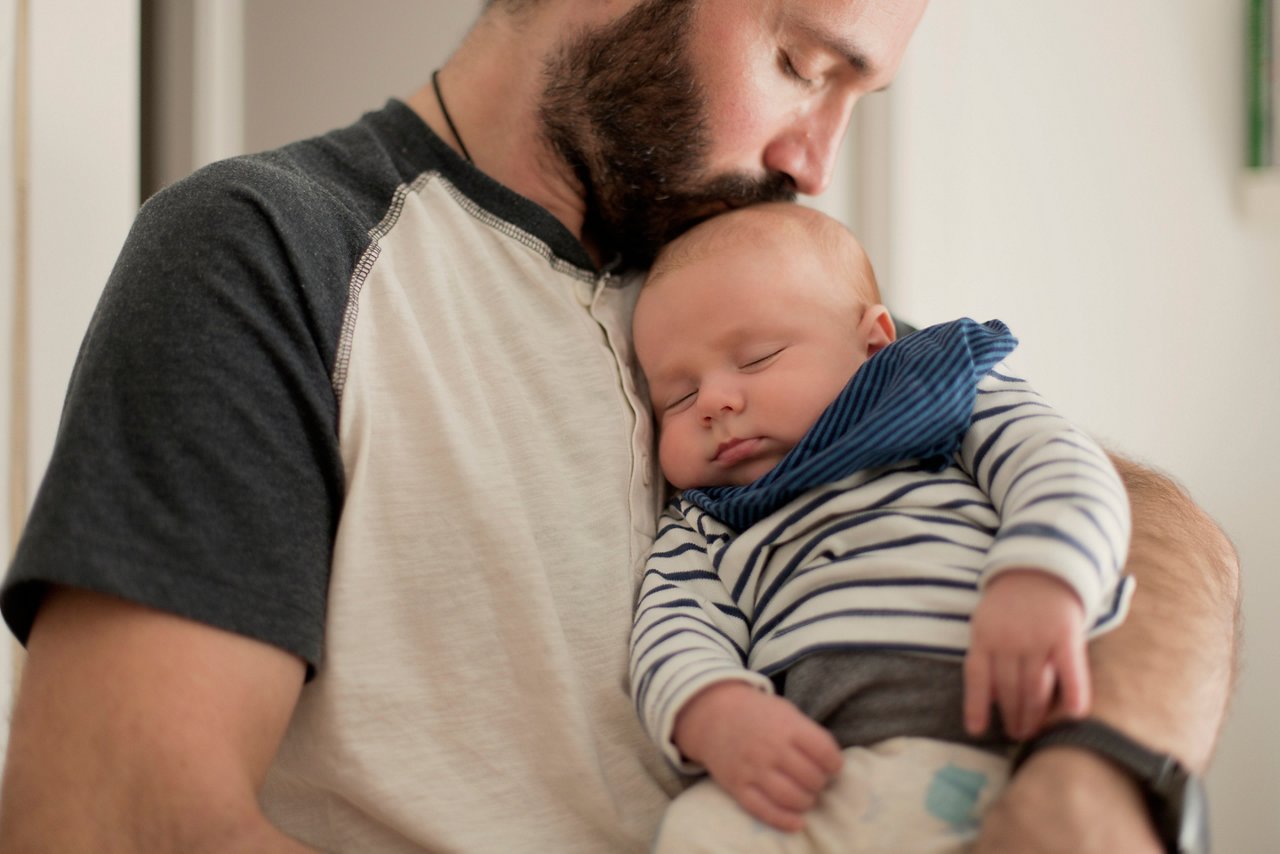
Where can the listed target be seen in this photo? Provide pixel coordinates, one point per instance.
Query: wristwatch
(1175, 796)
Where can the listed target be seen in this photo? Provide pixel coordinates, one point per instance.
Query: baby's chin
(749, 473)
(741, 476)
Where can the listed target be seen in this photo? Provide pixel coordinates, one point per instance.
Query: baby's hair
(803, 227)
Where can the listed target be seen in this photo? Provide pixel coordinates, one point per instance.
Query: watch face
(1193, 830)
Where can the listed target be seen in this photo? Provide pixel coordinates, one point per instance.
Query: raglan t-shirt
(356, 400)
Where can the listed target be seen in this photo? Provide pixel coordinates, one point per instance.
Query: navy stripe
(680, 549)
(743, 580)
(1048, 532)
(766, 627)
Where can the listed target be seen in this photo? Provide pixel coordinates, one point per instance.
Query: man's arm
(139, 731)
(1165, 677)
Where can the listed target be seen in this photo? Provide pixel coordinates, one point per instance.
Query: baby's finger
(1037, 693)
(1073, 680)
(977, 693)
(806, 772)
(821, 749)
(788, 794)
(1009, 692)
(755, 801)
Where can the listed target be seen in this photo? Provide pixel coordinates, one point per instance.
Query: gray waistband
(865, 697)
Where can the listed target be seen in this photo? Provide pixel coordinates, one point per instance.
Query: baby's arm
(1027, 639)
(1053, 575)
(700, 702)
(760, 748)
(688, 633)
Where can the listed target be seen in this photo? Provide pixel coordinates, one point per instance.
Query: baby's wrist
(704, 711)
(1030, 578)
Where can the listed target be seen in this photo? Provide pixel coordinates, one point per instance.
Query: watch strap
(1165, 783)
(1104, 740)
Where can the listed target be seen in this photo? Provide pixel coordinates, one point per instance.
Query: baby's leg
(901, 795)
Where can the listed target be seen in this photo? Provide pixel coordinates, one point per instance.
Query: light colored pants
(900, 796)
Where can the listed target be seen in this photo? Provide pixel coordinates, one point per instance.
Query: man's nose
(806, 150)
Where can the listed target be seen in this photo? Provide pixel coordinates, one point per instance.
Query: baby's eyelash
(762, 359)
(688, 397)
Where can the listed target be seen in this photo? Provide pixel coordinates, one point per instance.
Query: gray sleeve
(196, 468)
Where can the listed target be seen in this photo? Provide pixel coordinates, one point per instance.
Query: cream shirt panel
(501, 500)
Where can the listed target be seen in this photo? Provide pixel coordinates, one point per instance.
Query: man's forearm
(136, 730)
(1166, 675)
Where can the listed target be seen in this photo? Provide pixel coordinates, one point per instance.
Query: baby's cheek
(670, 459)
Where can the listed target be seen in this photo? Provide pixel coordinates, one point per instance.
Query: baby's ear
(876, 329)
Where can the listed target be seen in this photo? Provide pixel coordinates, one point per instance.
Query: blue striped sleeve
(688, 632)
(1062, 506)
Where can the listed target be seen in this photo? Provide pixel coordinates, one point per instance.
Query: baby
(876, 542)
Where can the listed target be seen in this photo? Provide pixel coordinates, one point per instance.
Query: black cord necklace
(435, 84)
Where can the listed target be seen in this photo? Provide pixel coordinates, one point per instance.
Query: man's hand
(772, 759)
(1068, 801)
(1028, 638)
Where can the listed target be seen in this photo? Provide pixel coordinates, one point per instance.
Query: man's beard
(623, 108)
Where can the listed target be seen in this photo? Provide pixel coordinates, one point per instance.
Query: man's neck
(493, 86)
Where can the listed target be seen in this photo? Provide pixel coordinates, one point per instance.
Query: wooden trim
(218, 80)
(20, 344)
(19, 347)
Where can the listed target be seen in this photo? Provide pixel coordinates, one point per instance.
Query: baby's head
(748, 326)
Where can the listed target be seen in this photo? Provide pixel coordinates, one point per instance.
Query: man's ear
(876, 328)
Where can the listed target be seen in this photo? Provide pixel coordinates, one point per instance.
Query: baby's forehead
(767, 229)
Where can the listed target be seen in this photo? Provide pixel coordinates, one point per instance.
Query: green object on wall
(1261, 84)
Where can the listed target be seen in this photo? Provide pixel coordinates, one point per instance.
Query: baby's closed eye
(681, 402)
(762, 361)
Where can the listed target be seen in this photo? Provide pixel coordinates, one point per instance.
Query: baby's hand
(1028, 636)
(763, 750)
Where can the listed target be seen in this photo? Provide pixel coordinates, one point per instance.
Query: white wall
(313, 65)
(1071, 166)
(235, 76)
(84, 174)
(84, 179)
